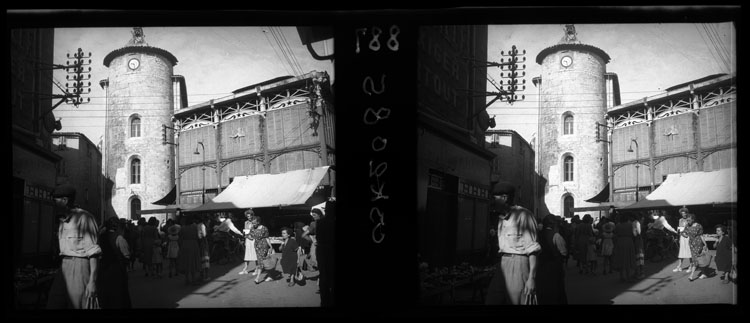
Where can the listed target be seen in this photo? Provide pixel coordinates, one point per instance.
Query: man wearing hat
(77, 237)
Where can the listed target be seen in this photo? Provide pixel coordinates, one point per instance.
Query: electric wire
(265, 33)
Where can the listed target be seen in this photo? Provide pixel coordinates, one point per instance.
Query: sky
(214, 61)
(647, 59)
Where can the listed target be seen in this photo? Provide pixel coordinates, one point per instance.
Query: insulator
(524, 52)
(501, 81)
(501, 60)
(502, 53)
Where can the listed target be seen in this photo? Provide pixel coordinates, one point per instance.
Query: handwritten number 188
(374, 43)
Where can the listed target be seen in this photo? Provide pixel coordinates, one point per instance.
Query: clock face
(133, 63)
(566, 61)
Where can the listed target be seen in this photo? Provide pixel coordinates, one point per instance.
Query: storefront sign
(38, 192)
(472, 190)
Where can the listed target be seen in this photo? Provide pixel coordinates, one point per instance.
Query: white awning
(697, 188)
(267, 190)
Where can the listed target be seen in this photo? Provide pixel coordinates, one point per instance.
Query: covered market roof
(267, 190)
(696, 188)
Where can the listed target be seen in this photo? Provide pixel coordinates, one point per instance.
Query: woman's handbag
(530, 299)
(704, 259)
(91, 303)
(299, 277)
(270, 263)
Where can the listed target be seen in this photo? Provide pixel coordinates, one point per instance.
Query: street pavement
(660, 286)
(225, 289)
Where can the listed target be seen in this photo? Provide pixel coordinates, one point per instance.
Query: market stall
(30, 287)
(441, 285)
(279, 199)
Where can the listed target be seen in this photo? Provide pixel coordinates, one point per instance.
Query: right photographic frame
(577, 163)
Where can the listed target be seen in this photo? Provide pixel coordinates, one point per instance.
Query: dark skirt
(550, 282)
(112, 286)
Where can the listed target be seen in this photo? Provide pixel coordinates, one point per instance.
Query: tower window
(568, 204)
(568, 169)
(135, 127)
(135, 171)
(568, 125)
(135, 206)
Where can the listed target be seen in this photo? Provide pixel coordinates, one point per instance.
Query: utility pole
(506, 88)
(78, 72)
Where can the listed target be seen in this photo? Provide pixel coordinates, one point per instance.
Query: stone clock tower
(140, 100)
(573, 98)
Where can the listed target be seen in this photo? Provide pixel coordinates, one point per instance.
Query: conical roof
(138, 44)
(570, 41)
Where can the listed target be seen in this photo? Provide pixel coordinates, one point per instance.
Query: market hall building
(275, 127)
(678, 148)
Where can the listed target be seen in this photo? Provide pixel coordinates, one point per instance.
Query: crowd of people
(96, 259)
(532, 259)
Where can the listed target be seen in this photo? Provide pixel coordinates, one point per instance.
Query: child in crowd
(591, 256)
(173, 248)
(157, 258)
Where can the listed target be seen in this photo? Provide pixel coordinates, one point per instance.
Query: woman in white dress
(684, 253)
(250, 254)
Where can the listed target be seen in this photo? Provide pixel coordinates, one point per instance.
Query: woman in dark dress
(551, 273)
(148, 235)
(723, 253)
(112, 280)
(189, 258)
(289, 252)
(583, 234)
(623, 257)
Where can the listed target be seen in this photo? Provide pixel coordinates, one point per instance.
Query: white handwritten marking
(377, 115)
(383, 141)
(372, 85)
(379, 224)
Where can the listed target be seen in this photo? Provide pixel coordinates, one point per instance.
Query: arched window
(135, 127)
(568, 169)
(568, 204)
(568, 124)
(135, 171)
(135, 206)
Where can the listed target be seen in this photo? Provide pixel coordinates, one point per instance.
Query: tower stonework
(572, 88)
(140, 100)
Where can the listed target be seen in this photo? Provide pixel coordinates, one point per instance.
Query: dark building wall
(80, 166)
(453, 168)
(514, 163)
(34, 163)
